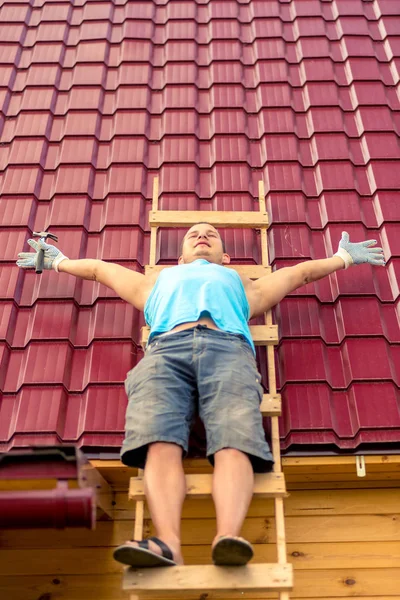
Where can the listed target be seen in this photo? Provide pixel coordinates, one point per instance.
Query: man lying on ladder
(200, 351)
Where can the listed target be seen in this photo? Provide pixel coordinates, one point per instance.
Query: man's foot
(152, 552)
(229, 550)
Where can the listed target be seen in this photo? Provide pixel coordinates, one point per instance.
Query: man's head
(203, 241)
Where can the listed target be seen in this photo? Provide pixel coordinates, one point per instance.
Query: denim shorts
(202, 370)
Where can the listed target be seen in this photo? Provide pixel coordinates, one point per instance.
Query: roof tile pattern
(98, 97)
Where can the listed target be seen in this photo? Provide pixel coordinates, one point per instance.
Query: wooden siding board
(303, 556)
(352, 551)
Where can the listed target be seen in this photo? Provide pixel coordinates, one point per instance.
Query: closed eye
(212, 234)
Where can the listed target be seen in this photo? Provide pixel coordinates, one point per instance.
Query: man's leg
(233, 483)
(165, 489)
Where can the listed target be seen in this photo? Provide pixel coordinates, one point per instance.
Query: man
(200, 352)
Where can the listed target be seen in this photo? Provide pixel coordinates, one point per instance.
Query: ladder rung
(193, 581)
(271, 406)
(218, 218)
(250, 271)
(263, 335)
(266, 485)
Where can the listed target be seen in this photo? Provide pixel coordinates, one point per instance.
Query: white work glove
(52, 256)
(359, 252)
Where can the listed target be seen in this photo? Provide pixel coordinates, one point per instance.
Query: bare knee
(230, 454)
(165, 451)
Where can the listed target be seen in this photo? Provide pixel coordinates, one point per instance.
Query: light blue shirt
(184, 293)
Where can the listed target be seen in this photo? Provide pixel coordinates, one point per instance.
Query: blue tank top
(185, 293)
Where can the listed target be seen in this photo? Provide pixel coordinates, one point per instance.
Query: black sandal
(141, 557)
(229, 551)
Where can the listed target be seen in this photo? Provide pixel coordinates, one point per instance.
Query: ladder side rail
(279, 512)
(139, 506)
(154, 230)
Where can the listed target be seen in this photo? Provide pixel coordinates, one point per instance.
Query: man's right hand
(357, 253)
(52, 256)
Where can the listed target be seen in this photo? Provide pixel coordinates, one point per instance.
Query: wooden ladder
(198, 581)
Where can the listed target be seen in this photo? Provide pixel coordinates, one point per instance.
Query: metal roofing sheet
(97, 98)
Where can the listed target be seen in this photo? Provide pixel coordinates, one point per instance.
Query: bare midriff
(202, 321)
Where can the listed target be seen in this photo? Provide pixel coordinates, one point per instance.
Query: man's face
(203, 241)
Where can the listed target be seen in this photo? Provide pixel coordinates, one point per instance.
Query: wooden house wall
(343, 537)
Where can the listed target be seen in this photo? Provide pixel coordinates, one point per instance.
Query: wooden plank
(218, 218)
(280, 533)
(266, 485)
(91, 477)
(381, 460)
(139, 517)
(314, 529)
(343, 477)
(154, 205)
(318, 529)
(339, 472)
(264, 244)
(338, 528)
(334, 528)
(335, 584)
(333, 555)
(346, 583)
(262, 335)
(115, 472)
(347, 528)
(271, 405)
(341, 485)
(340, 502)
(298, 503)
(208, 578)
(250, 271)
(303, 556)
(153, 230)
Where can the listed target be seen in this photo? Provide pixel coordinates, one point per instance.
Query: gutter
(51, 487)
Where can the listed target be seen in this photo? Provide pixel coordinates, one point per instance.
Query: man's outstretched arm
(317, 269)
(127, 284)
(267, 291)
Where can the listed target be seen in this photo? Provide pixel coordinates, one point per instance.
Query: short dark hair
(200, 223)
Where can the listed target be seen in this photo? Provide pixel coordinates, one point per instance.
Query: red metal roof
(97, 98)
